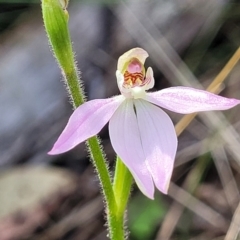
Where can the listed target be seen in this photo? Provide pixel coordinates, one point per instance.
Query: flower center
(133, 79)
(134, 74)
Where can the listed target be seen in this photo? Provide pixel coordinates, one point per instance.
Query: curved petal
(120, 79)
(125, 139)
(85, 122)
(149, 79)
(188, 100)
(159, 142)
(138, 53)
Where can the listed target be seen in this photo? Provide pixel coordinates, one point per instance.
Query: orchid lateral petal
(125, 139)
(120, 80)
(149, 79)
(138, 53)
(188, 100)
(85, 122)
(159, 142)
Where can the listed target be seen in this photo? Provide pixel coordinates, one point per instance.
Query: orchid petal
(188, 100)
(149, 79)
(125, 139)
(85, 122)
(159, 142)
(138, 53)
(120, 79)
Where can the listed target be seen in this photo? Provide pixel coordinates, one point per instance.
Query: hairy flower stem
(56, 23)
(121, 187)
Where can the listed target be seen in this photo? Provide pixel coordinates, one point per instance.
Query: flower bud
(55, 17)
(64, 3)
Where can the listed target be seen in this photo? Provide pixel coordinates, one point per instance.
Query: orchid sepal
(187, 100)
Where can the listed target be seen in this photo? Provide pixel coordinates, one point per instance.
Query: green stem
(56, 24)
(121, 187)
(105, 181)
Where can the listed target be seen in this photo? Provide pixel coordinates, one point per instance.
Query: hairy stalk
(121, 187)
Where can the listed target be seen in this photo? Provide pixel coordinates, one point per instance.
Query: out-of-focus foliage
(18, 1)
(144, 216)
(10, 11)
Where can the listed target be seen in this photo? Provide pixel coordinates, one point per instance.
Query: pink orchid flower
(141, 133)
